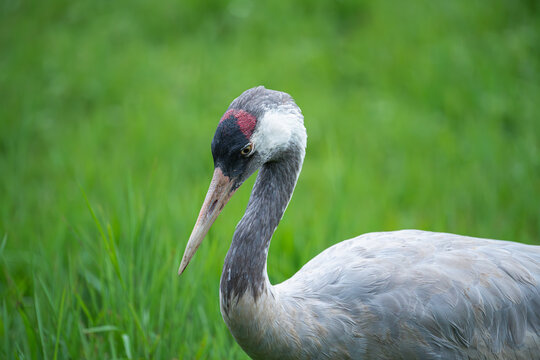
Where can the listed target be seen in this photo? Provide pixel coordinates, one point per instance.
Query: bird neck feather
(245, 265)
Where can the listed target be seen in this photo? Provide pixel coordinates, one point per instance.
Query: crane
(405, 294)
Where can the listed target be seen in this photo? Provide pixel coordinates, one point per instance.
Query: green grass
(425, 116)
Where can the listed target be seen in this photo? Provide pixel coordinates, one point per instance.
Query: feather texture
(401, 295)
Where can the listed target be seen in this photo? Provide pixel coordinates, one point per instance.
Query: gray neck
(245, 264)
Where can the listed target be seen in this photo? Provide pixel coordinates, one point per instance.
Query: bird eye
(247, 150)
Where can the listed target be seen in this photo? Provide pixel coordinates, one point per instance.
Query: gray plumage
(391, 295)
(419, 295)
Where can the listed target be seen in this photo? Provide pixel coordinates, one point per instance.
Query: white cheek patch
(276, 129)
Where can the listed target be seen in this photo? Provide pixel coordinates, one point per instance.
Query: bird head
(259, 126)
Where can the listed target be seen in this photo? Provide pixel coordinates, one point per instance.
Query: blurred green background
(420, 116)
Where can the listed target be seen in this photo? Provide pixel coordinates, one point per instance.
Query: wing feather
(426, 294)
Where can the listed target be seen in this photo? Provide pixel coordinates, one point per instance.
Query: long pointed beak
(219, 193)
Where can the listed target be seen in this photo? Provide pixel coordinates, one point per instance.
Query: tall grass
(424, 116)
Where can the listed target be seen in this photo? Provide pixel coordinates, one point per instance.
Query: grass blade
(99, 329)
(59, 325)
(139, 324)
(111, 345)
(127, 346)
(40, 325)
(3, 244)
(84, 308)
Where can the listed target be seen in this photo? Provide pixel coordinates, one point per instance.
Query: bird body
(405, 294)
(391, 295)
